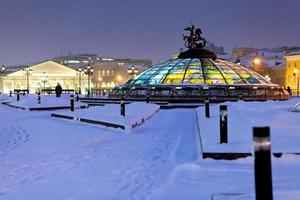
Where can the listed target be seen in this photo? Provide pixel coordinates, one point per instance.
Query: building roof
(49, 68)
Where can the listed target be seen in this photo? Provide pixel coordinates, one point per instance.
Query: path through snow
(56, 159)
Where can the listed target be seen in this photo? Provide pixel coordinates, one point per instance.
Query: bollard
(262, 163)
(39, 98)
(147, 98)
(223, 124)
(18, 96)
(206, 101)
(72, 102)
(77, 97)
(123, 106)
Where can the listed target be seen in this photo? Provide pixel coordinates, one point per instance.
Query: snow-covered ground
(3, 97)
(135, 114)
(45, 158)
(31, 101)
(242, 117)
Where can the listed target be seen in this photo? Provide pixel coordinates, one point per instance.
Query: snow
(136, 114)
(3, 97)
(242, 116)
(46, 158)
(31, 101)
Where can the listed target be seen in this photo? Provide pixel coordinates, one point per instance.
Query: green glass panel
(212, 75)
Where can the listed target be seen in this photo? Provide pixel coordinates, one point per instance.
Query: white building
(45, 75)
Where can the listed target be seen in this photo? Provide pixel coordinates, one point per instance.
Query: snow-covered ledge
(136, 114)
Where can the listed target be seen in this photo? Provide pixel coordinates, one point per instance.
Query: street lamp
(44, 80)
(79, 74)
(256, 61)
(132, 71)
(268, 77)
(2, 69)
(27, 71)
(296, 75)
(89, 72)
(119, 79)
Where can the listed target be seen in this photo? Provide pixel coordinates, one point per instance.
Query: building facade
(292, 72)
(108, 72)
(45, 75)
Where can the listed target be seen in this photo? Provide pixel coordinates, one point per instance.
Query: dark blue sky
(34, 30)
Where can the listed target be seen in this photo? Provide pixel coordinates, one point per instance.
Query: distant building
(107, 75)
(268, 62)
(44, 75)
(108, 71)
(292, 71)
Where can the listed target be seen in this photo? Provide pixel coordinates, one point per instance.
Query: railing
(52, 91)
(214, 93)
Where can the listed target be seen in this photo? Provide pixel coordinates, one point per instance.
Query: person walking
(289, 90)
(58, 90)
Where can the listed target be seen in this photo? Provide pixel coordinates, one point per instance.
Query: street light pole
(89, 71)
(297, 85)
(133, 71)
(79, 78)
(296, 76)
(2, 69)
(44, 80)
(27, 71)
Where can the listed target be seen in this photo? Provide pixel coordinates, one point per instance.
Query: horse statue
(194, 40)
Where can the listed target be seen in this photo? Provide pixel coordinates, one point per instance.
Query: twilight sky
(35, 30)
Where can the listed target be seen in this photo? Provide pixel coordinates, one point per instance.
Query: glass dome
(197, 71)
(197, 75)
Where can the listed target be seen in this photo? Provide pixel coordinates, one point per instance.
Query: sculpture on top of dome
(194, 40)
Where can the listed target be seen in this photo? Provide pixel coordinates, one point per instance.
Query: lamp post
(268, 77)
(79, 74)
(27, 71)
(119, 79)
(132, 71)
(44, 80)
(2, 69)
(296, 75)
(89, 72)
(258, 65)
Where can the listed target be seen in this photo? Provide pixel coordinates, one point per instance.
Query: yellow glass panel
(174, 78)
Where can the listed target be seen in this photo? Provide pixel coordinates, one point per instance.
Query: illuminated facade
(292, 71)
(44, 75)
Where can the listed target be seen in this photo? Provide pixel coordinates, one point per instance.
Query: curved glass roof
(198, 71)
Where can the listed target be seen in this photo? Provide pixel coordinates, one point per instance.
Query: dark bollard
(39, 98)
(18, 96)
(262, 163)
(123, 106)
(223, 124)
(147, 98)
(72, 102)
(206, 101)
(77, 97)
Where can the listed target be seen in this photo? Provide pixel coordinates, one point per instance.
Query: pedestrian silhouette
(58, 90)
(289, 90)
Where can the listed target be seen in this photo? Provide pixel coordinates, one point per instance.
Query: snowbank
(4, 98)
(242, 116)
(136, 114)
(47, 101)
